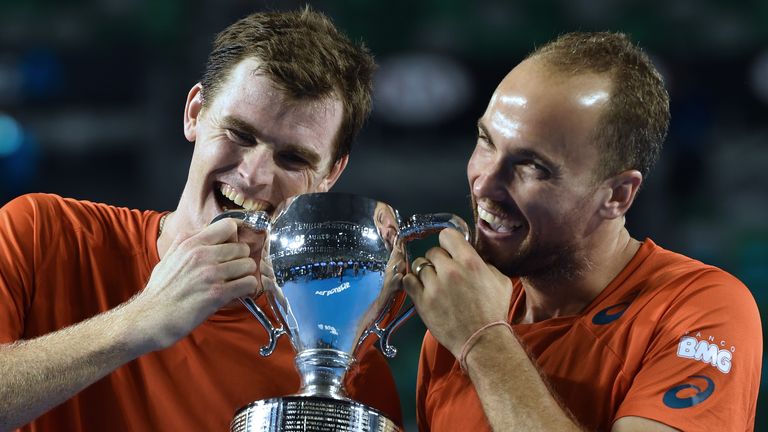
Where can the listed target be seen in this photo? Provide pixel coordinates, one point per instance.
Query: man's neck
(551, 297)
(165, 234)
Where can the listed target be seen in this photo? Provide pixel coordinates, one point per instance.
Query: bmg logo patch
(703, 351)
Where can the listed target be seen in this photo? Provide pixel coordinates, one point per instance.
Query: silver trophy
(331, 258)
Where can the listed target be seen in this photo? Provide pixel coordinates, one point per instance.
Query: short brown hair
(306, 56)
(634, 125)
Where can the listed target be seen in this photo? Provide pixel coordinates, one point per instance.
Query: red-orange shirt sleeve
(17, 262)
(702, 372)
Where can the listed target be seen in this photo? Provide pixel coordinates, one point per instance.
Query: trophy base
(310, 414)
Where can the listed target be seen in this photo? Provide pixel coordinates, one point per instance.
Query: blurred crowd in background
(92, 92)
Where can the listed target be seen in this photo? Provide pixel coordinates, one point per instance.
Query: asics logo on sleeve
(673, 399)
(610, 314)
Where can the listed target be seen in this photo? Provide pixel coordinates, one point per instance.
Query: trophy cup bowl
(332, 258)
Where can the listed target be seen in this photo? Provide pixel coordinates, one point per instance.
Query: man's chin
(521, 262)
(496, 256)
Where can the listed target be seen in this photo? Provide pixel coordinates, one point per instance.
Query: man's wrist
(488, 348)
(474, 338)
(132, 331)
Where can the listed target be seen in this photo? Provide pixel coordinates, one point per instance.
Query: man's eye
(293, 160)
(484, 143)
(535, 168)
(240, 137)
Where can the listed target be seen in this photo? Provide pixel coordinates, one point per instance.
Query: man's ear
(334, 174)
(191, 112)
(622, 189)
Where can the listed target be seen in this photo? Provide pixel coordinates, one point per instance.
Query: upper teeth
(238, 198)
(496, 223)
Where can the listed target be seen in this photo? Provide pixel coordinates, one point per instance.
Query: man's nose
(493, 181)
(258, 167)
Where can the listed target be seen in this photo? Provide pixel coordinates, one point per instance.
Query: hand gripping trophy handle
(417, 227)
(258, 222)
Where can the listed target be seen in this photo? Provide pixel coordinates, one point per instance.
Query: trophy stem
(322, 372)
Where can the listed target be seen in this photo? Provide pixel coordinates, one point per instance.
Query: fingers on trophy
(421, 266)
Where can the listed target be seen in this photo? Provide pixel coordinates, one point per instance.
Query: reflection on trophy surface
(330, 260)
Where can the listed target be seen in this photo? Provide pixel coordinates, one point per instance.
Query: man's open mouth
(498, 223)
(229, 198)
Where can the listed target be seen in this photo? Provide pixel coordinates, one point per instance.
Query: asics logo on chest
(610, 314)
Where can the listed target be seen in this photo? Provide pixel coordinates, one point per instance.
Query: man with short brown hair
(329, 65)
(557, 319)
(125, 320)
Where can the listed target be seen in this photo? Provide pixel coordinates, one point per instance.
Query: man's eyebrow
(239, 124)
(311, 156)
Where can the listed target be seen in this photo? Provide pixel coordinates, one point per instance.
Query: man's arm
(196, 277)
(41, 373)
(639, 424)
(514, 394)
(461, 295)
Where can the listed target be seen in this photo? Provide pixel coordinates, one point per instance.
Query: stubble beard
(547, 262)
(535, 260)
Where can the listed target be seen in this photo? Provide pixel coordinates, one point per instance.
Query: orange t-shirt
(670, 339)
(63, 261)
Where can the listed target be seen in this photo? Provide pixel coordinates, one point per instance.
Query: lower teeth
(501, 228)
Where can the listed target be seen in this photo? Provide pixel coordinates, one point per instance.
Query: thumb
(221, 231)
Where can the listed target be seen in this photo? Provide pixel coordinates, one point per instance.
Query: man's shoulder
(50, 216)
(684, 286)
(25, 212)
(670, 260)
(44, 204)
(675, 271)
(661, 288)
(32, 202)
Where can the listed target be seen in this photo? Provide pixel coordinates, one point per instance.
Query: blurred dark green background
(91, 98)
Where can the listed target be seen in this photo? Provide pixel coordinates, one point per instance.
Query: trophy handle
(417, 227)
(259, 222)
(422, 225)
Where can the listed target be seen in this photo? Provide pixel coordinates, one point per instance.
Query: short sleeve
(702, 370)
(17, 263)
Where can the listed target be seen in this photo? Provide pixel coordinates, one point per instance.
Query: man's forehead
(241, 77)
(538, 73)
(551, 112)
(526, 92)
